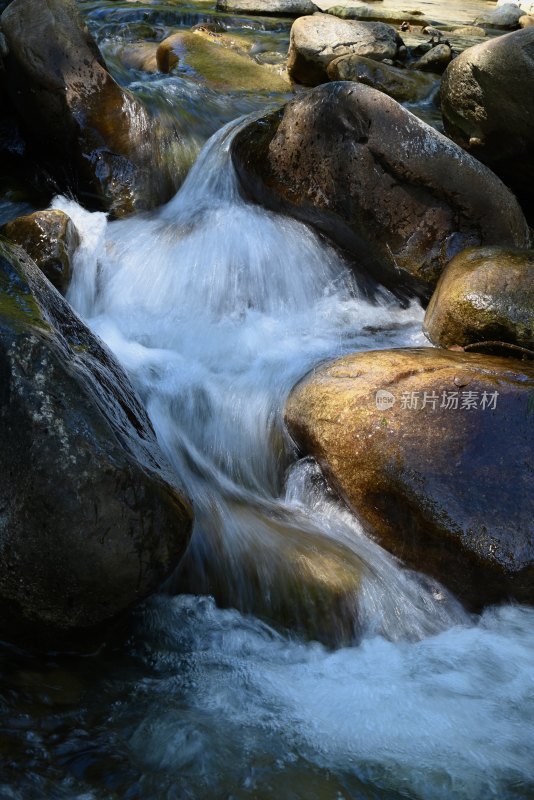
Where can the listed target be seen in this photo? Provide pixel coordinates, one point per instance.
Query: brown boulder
(449, 490)
(484, 294)
(317, 40)
(50, 238)
(398, 196)
(95, 137)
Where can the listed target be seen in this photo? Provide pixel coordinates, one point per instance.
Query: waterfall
(216, 308)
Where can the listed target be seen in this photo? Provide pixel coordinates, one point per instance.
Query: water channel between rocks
(216, 308)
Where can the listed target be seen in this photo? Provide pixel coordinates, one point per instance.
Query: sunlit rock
(399, 197)
(484, 294)
(434, 452)
(317, 40)
(487, 105)
(220, 60)
(50, 239)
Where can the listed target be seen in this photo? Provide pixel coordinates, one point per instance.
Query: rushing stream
(236, 683)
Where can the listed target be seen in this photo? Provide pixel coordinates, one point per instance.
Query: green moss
(18, 307)
(224, 68)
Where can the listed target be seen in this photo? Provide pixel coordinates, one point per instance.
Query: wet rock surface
(94, 137)
(50, 239)
(484, 294)
(442, 474)
(91, 519)
(317, 40)
(401, 84)
(390, 190)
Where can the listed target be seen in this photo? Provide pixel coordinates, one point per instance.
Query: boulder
(506, 17)
(276, 8)
(392, 16)
(484, 294)
(91, 518)
(487, 105)
(50, 238)
(405, 86)
(316, 41)
(436, 60)
(221, 62)
(400, 198)
(95, 137)
(434, 452)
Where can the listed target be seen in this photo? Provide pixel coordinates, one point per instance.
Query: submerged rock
(220, 60)
(316, 41)
(263, 563)
(400, 198)
(442, 473)
(487, 105)
(484, 294)
(403, 85)
(50, 238)
(91, 519)
(95, 137)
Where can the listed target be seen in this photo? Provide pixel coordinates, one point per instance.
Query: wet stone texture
(91, 518)
(401, 199)
(442, 474)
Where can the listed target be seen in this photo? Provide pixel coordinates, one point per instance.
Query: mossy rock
(484, 294)
(220, 61)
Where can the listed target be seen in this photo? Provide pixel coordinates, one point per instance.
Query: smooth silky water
(245, 679)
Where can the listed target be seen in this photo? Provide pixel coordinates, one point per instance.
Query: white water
(216, 308)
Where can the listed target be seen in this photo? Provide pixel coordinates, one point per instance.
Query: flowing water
(216, 307)
(290, 657)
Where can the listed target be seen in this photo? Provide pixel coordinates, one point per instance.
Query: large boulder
(434, 451)
(317, 40)
(484, 294)
(50, 238)
(398, 196)
(487, 105)
(277, 8)
(91, 519)
(95, 137)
